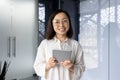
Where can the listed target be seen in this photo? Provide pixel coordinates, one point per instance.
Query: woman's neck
(62, 38)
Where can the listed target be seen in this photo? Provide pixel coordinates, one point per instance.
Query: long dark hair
(50, 33)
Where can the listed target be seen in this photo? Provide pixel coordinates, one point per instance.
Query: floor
(31, 78)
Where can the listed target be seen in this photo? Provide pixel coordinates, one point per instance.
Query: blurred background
(96, 25)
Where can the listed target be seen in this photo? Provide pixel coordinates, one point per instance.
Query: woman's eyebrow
(60, 19)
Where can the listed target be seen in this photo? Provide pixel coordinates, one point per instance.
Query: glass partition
(100, 38)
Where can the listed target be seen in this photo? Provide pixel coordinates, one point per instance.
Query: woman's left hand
(68, 64)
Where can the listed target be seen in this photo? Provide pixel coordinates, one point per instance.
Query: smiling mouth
(62, 30)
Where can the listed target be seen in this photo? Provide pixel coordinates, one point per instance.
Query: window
(41, 20)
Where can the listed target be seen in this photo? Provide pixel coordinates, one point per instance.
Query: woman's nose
(61, 23)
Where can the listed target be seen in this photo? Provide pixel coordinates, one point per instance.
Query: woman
(59, 37)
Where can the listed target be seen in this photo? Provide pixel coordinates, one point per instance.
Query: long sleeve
(39, 64)
(79, 66)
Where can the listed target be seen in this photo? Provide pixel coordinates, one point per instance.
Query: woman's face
(61, 24)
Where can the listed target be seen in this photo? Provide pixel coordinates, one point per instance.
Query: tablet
(62, 55)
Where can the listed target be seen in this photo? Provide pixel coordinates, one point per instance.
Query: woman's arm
(79, 66)
(40, 62)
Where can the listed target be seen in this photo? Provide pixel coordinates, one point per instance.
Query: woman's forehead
(61, 16)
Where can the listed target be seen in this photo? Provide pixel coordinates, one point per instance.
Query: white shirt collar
(56, 39)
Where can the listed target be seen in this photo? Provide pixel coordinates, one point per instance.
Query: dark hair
(50, 33)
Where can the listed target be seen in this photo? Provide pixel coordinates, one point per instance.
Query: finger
(67, 61)
(61, 62)
(51, 59)
(64, 63)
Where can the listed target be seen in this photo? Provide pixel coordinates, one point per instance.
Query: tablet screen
(62, 55)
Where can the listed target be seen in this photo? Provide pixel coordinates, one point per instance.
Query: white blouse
(59, 72)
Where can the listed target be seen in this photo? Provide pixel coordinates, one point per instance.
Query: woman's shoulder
(44, 41)
(74, 41)
(75, 44)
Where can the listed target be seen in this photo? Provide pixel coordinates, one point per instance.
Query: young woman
(59, 37)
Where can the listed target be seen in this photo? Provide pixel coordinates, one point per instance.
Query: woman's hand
(68, 64)
(51, 63)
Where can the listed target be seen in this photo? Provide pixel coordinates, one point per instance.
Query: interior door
(5, 27)
(23, 27)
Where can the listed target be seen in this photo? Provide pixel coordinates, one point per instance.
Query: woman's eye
(64, 20)
(57, 22)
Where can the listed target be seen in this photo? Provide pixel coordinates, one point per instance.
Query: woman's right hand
(51, 63)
